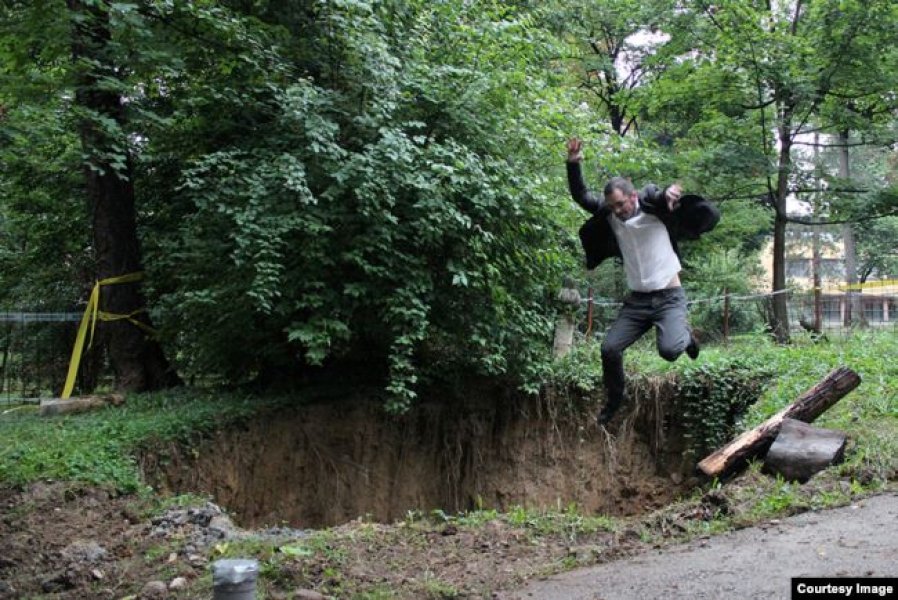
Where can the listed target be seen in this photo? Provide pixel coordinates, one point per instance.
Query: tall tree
(137, 358)
(805, 62)
(613, 46)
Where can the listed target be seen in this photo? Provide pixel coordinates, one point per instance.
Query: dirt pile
(74, 542)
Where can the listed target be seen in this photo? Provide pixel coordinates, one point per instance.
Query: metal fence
(34, 354)
(35, 348)
(719, 317)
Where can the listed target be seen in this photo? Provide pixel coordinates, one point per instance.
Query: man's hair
(619, 183)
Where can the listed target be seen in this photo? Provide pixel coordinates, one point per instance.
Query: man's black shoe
(692, 349)
(608, 412)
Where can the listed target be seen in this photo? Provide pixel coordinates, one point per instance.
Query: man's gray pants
(666, 311)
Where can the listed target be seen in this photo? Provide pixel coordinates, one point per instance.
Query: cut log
(800, 450)
(59, 406)
(808, 407)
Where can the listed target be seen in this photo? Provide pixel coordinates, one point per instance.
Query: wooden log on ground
(808, 407)
(800, 450)
(59, 406)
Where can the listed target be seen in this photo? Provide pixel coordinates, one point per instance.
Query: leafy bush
(387, 209)
(713, 396)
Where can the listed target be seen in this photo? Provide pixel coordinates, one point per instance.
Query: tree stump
(808, 407)
(800, 450)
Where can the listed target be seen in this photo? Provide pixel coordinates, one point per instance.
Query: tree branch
(757, 106)
(806, 221)
(851, 145)
(796, 17)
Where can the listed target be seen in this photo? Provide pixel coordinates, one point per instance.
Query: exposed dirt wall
(325, 464)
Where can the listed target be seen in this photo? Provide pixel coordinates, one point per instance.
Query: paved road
(758, 563)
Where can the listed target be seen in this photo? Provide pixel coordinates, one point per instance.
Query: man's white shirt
(649, 259)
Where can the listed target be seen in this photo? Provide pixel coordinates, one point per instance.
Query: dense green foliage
(390, 212)
(714, 396)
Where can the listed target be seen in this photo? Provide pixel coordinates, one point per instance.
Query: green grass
(868, 414)
(100, 447)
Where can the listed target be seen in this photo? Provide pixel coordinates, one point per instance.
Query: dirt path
(860, 540)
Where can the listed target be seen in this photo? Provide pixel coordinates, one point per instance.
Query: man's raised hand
(574, 150)
(672, 195)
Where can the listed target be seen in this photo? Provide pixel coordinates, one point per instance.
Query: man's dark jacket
(694, 217)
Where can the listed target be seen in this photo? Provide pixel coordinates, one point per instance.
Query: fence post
(564, 327)
(589, 314)
(726, 316)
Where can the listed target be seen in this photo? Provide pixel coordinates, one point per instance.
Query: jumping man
(642, 228)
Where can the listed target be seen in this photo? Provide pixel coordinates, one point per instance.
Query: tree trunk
(854, 314)
(816, 262)
(137, 360)
(780, 324)
(801, 450)
(808, 407)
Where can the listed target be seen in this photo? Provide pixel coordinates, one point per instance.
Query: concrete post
(234, 579)
(566, 325)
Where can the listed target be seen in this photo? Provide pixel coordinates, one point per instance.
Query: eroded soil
(58, 541)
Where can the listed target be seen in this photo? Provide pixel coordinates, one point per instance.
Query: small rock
(676, 478)
(308, 595)
(57, 583)
(221, 525)
(97, 574)
(153, 589)
(196, 560)
(82, 551)
(178, 583)
(130, 515)
(173, 557)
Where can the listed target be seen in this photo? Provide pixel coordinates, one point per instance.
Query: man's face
(623, 206)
